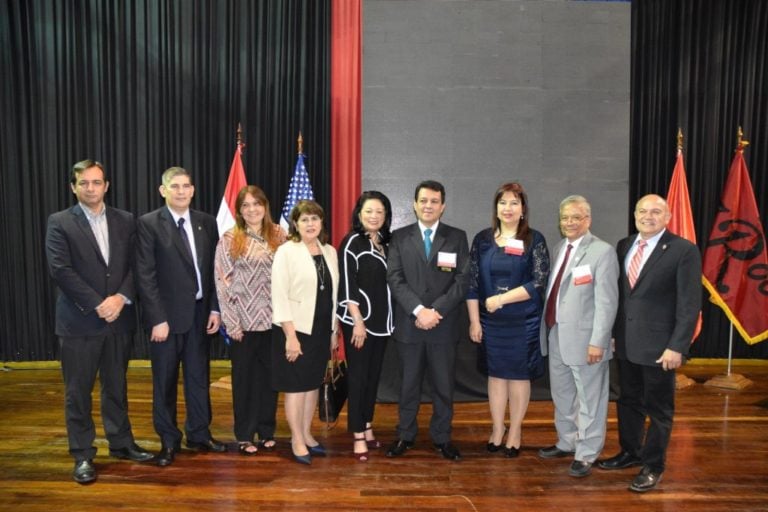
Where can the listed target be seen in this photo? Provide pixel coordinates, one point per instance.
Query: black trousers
(438, 361)
(254, 402)
(81, 359)
(191, 349)
(646, 391)
(363, 372)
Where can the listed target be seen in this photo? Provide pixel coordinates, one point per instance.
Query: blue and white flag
(300, 188)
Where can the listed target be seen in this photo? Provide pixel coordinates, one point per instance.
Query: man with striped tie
(659, 303)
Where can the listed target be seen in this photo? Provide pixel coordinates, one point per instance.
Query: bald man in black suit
(659, 304)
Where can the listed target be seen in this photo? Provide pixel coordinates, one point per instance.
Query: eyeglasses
(565, 219)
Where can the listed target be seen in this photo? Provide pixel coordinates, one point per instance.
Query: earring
(522, 217)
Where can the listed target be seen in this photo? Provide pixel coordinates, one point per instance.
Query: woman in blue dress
(509, 267)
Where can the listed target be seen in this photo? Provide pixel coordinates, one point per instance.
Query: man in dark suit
(659, 303)
(428, 275)
(174, 268)
(89, 248)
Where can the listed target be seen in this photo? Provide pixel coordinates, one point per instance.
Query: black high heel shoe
(302, 459)
(493, 448)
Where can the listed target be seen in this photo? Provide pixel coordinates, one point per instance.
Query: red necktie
(634, 264)
(549, 314)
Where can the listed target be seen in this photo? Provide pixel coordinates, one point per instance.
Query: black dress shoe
(398, 448)
(580, 468)
(448, 451)
(165, 457)
(553, 452)
(133, 452)
(84, 472)
(645, 480)
(621, 461)
(511, 452)
(317, 451)
(210, 445)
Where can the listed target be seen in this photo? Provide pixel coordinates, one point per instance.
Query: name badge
(581, 275)
(515, 247)
(446, 260)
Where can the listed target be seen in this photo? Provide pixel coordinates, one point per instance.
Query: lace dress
(510, 346)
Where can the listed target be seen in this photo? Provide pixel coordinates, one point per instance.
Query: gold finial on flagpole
(240, 135)
(679, 139)
(300, 143)
(740, 142)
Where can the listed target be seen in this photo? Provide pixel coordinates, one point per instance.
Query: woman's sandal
(372, 443)
(268, 444)
(247, 448)
(360, 456)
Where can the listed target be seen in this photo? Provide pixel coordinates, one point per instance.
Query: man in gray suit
(579, 312)
(427, 271)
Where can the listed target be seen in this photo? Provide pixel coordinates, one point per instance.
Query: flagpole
(730, 350)
(682, 381)
(732, 380)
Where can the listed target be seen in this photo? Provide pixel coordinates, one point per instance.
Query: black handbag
(333, 392)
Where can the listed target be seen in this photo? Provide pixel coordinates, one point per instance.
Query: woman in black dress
(365, 310)
(304, 287)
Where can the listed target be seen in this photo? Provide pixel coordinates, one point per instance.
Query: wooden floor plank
(717, 460)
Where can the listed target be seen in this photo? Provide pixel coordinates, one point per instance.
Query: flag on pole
(735, 262)
(679, 203)
(300, 188)
(225, 219)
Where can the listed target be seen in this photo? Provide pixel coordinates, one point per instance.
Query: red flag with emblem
(735, 263)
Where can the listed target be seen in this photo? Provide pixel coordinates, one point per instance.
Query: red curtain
(346, 112)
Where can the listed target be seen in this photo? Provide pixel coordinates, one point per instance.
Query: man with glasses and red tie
(579, 313)
(174, 268)
(659, 303)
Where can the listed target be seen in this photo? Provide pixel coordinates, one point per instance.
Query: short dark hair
(308, 207)
(357, 225)
(431, 185)
(81, 166)
(172, 172)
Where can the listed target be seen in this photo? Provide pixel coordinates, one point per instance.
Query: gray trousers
(580, 395)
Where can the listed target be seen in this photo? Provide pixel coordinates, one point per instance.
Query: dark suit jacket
(415, 280)
(662, 309)
(165, 272)
(83, 277)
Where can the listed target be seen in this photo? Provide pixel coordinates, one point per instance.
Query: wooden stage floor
(717, 460)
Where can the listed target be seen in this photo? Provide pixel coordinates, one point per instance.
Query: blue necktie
(427, 241)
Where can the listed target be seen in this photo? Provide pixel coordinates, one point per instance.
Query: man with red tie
(659, 303)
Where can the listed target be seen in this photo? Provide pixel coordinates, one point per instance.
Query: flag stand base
(683, 381)
(732, 381)
(223, 383)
